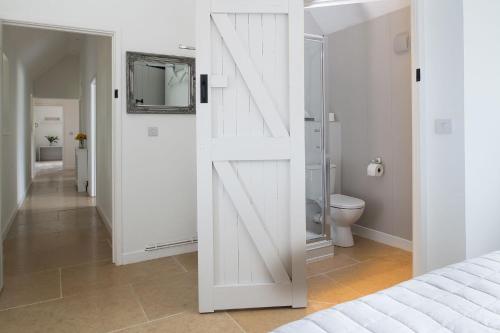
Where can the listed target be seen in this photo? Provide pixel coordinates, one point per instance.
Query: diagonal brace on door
(252, 222)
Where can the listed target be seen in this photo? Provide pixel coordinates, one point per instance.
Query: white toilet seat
(345, 202)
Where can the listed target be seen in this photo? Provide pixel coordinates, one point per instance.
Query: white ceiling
(340, 16)
(40, 49)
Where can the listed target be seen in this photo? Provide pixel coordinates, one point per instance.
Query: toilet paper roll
(375, 170)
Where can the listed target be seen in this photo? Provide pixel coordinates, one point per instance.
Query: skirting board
(382, 237)
(13, 215)
(138, 256)
(105, 220)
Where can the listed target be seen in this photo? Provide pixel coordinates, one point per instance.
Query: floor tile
(373, 275)
(265, 320)
(190, 323)
(324, 289)
(365, 249)
(30, 288)
(110, 310)
(26, 261)
(189, 261)
(105, 274)
(164, 297)
(329, 264)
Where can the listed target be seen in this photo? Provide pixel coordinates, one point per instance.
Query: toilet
(344, 211)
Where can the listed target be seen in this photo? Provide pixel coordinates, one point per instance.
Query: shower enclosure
(317, 161)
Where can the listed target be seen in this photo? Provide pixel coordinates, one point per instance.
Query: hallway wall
(60, 81)
(96, 63)
(16, 134)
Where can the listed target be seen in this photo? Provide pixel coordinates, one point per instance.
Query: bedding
(463, 297)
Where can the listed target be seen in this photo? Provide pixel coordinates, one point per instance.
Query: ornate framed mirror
(160, 84)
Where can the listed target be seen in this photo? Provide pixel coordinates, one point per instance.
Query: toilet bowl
(345, 211)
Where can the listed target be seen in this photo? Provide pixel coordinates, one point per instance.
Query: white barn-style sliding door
(250, 137)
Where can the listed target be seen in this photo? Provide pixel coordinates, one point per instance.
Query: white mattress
(464, 297)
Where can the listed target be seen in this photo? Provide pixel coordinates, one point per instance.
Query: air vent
(157, 247)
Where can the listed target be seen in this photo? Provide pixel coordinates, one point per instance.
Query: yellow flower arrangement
(81, 137)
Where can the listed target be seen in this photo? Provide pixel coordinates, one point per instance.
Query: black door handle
(203, 88)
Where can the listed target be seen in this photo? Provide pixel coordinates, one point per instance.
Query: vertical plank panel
(283, 167)
(230, 216)
(269, 179)
(259, 128)
(247, 252)
(217, 130)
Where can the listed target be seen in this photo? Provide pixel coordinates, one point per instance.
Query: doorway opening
(57, 86)
(358, 126)
(48, 129)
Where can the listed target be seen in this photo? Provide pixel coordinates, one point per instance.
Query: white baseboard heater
(157, 247)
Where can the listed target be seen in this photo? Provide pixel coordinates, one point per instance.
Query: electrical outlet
(153, 131)
(443, 126)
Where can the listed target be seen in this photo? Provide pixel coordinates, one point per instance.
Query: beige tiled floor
(59, 276)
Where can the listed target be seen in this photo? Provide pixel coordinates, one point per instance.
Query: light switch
(152, 131)
(443, 126)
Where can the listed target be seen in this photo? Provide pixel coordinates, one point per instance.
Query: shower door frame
(325, 239)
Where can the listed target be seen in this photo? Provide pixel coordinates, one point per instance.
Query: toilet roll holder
(377, 160)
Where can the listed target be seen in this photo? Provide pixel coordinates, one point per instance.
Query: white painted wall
(16, 134)
(60, 81)
(442, 234)
(482, 116)
(71, 125)
(104, 131)
(370, 94)
(96, 64)
(44, 128)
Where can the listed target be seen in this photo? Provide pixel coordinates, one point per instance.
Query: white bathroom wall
(310, 25)
(331, 19)
(370, 94)
(16, 133)
(60, 81)
(71, 120)
(482, 116)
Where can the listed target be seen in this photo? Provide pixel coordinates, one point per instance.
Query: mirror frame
(132, 107)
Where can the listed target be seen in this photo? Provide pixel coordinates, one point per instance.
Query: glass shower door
(315, 131)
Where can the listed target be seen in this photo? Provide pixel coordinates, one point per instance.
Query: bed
(463, 297)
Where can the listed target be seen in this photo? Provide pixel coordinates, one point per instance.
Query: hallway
(55, 228)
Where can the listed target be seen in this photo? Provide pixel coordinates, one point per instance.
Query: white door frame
(92, 138)
(116, 119)
(419, 222)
